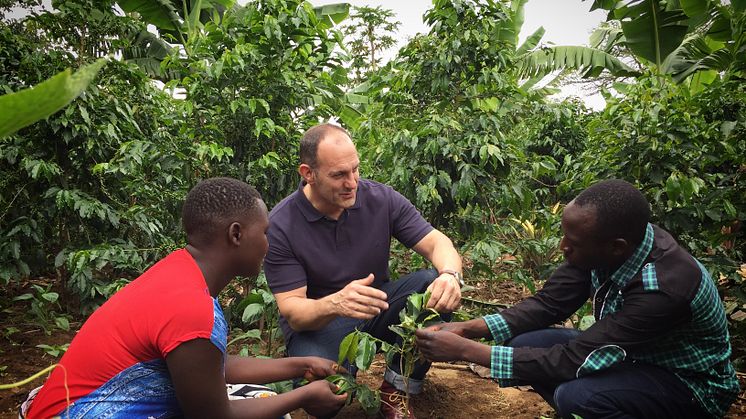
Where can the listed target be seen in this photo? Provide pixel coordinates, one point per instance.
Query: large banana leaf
(148, 52)
(510, 28)
(589, 60)
(719, 49)
(695, 8)
(160, 13)
(606, 38)
(651, 31)
(175, 17)
(23, 108)
(695, 53)
(531, 42)
(331, 14)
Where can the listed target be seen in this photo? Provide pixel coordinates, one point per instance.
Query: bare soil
(451, 390)
(455, 391)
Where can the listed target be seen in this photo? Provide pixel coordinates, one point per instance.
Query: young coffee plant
(255, 320)
(43, 305)
(358, 349)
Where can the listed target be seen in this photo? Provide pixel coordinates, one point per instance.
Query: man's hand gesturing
(359, 300)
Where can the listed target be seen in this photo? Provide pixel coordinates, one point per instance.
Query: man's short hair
(309, 143)
(621, 209)
(213, 203)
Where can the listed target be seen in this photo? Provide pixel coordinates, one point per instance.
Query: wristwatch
(455, 274)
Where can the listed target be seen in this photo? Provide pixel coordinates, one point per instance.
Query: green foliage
(92, 190)
(254, 79)
(92, 195)
(54, 350)
(536, 244)
(370, 400)
(685, 153)
(652, 29)
(255, 318)
(43, 307)
(440, 116)
(694, 41)
(588, 60)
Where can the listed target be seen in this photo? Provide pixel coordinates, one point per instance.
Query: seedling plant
(358, 349)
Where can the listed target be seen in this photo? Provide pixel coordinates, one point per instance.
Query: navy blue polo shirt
(308, 249)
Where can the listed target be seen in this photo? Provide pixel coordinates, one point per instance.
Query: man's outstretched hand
(359, 299)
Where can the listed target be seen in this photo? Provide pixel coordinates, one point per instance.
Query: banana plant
(534, 61)
(692, 40)
(718, 48)
(178, 18)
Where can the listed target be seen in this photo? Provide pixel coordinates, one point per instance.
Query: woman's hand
(320, 399)
(318, 368)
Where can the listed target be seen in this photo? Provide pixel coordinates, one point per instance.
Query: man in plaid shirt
(659, 347)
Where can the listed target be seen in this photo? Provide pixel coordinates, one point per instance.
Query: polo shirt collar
(310, 212)
(631, 266)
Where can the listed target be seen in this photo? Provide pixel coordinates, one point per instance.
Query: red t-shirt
(167, 305)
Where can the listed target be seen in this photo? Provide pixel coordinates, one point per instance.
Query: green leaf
(348, 348)
(62, 323)
(160, 13)
(252, 313)
(652, 32)
(332, 13)
(370, 401)
(27, 106)
(366, 350)
(50, 296)
(249, 334)
(585, 59)
(350, 116)
(531, 42)
(739, 5)
(694, 8)
(729, 208)
(603, 4)
(60, 259)
(23, 297)
(586, 322)
(193, 21)
(414, 304)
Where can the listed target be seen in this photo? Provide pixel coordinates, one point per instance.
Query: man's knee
(421, 279)
(570, 398)
(585, 399)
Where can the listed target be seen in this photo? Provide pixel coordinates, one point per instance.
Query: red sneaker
(394, 403)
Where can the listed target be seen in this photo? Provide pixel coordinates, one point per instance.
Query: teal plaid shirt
(697, 351)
